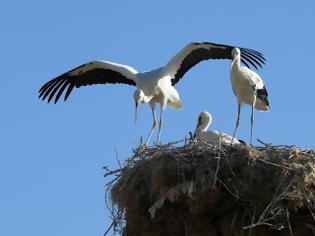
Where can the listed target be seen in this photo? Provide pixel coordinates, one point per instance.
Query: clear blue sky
(51, 177)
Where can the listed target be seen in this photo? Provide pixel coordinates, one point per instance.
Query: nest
(215, 190)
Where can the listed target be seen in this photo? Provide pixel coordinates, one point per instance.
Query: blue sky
(52, 156)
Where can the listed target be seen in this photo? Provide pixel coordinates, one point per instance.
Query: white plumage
(248, 87)
(156, 86)
(212, 136)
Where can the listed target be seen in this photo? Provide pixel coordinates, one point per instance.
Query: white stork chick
(155, 86)
(249, 88)
(212, 136)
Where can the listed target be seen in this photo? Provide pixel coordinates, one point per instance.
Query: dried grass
(205, 189)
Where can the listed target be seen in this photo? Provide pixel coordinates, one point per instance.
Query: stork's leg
(153, 126)
(160, 125)
(237, 120)
(252, 121)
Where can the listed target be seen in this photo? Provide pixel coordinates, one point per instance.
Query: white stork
(212, 136)
(156, 86)
(248, 87)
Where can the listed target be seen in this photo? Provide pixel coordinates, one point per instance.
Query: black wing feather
(255, 58)
(70, 88)
(61, 91)
(62, 81)
(198, 55)
(47, 90)
(245, 63)
(245, 57)
(216, 51)
(253, 51)
(46, 85)
(90, 77)
(191, 60)
(262, 94)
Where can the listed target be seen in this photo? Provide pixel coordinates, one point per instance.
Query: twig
(111, 172)
(263, 143)
(234, 218)
(115, 220)
(218, 166)
(289, 223)
(309, 208)
(116, 156)
(257, 224)
(253, 220)
(227, 188)
(274, 164)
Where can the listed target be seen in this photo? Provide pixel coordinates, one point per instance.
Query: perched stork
(212, 136)
(248, 87)
(156, 86)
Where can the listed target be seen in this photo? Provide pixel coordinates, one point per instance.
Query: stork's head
(235, 52)
(204, 120)
(139, 97)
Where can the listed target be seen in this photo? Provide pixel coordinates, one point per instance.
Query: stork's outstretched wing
(95, 72)
(196, 52)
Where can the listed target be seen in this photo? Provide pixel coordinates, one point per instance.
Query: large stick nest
(205, 189)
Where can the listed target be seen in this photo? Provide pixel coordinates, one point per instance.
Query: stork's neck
(203, 127)
(236, 62)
